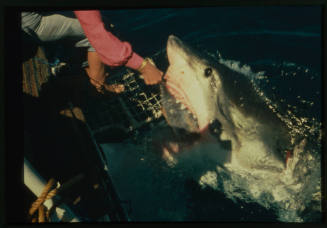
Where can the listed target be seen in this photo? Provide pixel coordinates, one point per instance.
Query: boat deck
(64, 124)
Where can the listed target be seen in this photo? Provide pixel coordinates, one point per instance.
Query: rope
(38, 204)
(41, 213)
(52, 193)
(47, 193)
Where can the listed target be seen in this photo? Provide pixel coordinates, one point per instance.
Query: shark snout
(173, 41)
(176, 51)
(174, 44)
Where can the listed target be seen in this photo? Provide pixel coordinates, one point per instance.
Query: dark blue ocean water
(283, 42)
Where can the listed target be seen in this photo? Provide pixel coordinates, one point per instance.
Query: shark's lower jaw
(177, 111)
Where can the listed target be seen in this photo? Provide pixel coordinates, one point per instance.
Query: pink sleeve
(111, 50)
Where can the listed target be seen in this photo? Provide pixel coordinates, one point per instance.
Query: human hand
(114, 88)
(151, 74)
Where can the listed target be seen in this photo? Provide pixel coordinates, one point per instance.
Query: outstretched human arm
(111, 50)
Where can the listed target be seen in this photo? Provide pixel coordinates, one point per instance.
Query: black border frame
(11, 147)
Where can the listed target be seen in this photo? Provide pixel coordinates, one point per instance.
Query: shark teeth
(183, 106)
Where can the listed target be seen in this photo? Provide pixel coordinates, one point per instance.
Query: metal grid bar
(137, 106)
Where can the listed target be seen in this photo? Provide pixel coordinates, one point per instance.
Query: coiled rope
(38, 204)
(49, 191)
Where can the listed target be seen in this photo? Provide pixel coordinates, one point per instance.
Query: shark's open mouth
(180, 97)
(180, 107)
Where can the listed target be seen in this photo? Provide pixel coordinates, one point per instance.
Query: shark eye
(208, 72)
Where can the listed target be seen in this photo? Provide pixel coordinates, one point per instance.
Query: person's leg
(95, 70)
(96, 73)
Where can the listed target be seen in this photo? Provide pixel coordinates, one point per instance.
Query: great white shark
(199, 92)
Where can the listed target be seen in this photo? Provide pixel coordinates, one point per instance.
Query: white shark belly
(248, 147)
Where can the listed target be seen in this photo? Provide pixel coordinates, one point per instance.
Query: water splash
(295, 194)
